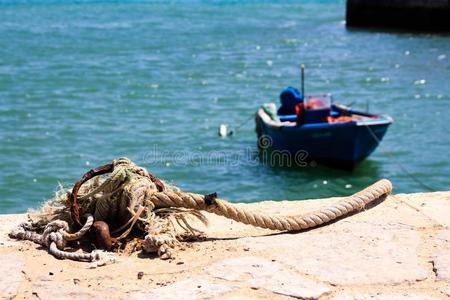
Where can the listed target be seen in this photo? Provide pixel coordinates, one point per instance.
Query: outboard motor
(289, 98)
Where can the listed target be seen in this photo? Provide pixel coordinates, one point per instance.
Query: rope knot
(122, 161)
(101, 258)
(18, 232)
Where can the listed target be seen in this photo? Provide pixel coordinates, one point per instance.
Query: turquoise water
(83, 83)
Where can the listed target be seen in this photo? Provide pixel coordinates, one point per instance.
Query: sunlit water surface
(83, 83)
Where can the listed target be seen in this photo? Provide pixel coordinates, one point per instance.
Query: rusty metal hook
(75, 209)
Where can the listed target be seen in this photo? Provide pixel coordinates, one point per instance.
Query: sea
(86, 82)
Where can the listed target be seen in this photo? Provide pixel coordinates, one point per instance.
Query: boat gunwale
(382, 119)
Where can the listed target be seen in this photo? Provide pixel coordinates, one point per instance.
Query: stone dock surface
(398, 249)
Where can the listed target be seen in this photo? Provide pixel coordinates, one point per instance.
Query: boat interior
(296, 110)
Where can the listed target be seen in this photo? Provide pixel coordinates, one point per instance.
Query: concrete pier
(399, 249)
(422, 15)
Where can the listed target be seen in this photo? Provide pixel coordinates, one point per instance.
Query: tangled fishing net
(122, 207)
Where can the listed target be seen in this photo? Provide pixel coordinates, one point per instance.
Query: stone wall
(428, 15)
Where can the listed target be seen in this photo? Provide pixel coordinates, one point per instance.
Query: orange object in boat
(342, 119)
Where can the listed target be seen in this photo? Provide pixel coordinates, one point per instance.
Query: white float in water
(223, 130)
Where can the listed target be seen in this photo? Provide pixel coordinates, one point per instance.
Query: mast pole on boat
(302, 67)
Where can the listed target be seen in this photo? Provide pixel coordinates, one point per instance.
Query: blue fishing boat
(314, 128)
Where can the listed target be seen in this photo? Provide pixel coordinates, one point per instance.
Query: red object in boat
(315, 103)
(300, 113)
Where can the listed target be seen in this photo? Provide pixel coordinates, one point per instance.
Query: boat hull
(342, 144)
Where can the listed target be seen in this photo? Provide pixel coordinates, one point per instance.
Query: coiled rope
(55, 238)
(131, 196)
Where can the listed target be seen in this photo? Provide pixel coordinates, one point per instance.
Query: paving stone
(438, 210)
(44, 292)
(261, 273)
(196, 288)
(446, 291)
(385, 296)
(8, 222)
(11, 266)
(441, 262)
(365, 255)
(45, 288)
(442, 239)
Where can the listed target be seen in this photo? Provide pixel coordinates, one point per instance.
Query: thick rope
(80, 233)
(220, 207)
(131, 197)
(55, 237)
